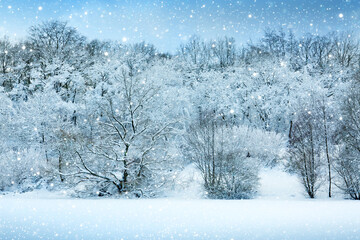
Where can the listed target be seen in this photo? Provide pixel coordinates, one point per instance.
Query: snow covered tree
(60, 56)
(347, 163)
(56, 40)
(224, 51)
(124, 150)
(196, 52)
(109, 116)
(305, 150)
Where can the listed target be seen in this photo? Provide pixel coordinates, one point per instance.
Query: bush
(229, 156)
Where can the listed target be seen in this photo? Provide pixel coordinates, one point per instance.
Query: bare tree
(5, 57)
(326, 136)
(55, 39)
(274, 42)
(345, 49)
(196, 52)
(347, 164)
(305, 151)
(224, 50)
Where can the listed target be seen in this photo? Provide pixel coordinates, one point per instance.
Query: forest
(102, 118)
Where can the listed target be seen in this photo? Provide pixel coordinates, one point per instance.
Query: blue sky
(168, 23)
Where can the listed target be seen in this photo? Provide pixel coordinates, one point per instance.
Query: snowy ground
(280, 212)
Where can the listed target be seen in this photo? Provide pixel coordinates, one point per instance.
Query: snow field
(178, 219)
(281, 211)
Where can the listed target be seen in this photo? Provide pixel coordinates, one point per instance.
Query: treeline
(103, 118)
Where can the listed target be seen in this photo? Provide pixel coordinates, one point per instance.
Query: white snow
(281, 211)
(277, 184)
(188, 184)
(178, 219)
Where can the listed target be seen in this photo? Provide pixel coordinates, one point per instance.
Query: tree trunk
(327, 149)
(60, 167)
(125, 174)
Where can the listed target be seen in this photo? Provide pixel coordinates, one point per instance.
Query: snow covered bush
(22, 170)
(229, 156)
(347, 166)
